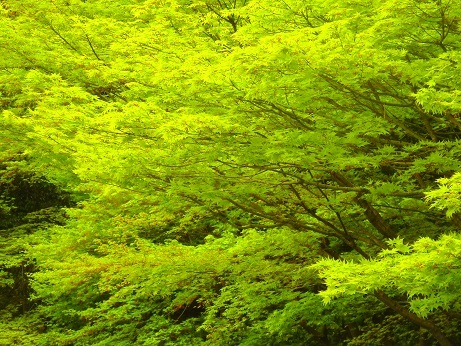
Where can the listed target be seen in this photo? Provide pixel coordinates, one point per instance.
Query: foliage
(222, 155)
(29, 203)
(426, 271)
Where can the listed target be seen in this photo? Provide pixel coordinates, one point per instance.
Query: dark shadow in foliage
(29, 203)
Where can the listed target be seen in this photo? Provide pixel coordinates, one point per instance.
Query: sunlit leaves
(428, 272)
(224, 146)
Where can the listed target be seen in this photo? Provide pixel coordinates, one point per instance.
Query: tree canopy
(230, 172)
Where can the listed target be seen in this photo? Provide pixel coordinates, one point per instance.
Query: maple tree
(245, 172)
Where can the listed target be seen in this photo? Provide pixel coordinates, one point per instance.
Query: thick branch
(373, 216)
(426, 324)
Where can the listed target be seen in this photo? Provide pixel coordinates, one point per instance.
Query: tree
(213, 122)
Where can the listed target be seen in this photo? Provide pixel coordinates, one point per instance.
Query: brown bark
(456, 219)
(383, 227)
(431, 327)
(375, 218)
(372, 215)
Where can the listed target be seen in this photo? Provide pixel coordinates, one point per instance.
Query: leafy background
(230, 172)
